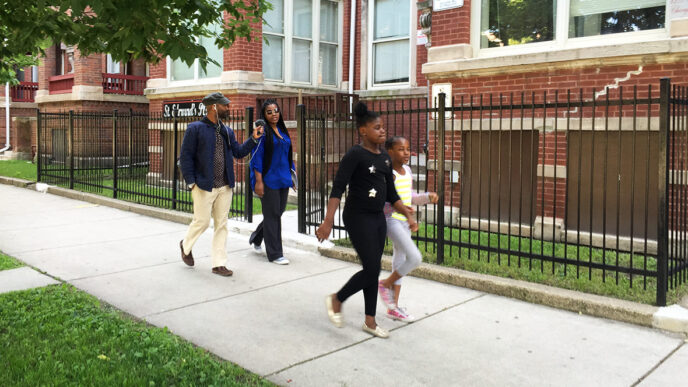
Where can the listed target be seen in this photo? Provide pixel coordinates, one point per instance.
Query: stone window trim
(561, 40)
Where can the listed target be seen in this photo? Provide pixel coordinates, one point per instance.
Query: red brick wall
(88, 70)
(588, 78)
(543, 85)
(46, 68)
(243, 54)
(21, 114)
(97, 106)
(452, 26)
(158, 70)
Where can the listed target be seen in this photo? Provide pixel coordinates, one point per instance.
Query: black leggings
(367, 232)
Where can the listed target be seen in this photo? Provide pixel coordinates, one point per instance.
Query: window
(112, 67)
(508, 23)
(306, 29)
(601, 17)
(390, 46)
(180, 71)
(273, 31)
(511, 23)
(329, 31)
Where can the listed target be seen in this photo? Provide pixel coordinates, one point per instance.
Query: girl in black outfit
(271, 167)
(368, 173)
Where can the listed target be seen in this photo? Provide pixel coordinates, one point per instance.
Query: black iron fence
(129, 156)
(573, 185)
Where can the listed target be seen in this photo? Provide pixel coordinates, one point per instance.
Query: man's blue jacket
(198, 148)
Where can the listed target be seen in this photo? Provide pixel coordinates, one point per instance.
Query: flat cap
(216, 97)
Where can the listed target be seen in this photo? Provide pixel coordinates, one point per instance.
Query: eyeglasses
(272, 111)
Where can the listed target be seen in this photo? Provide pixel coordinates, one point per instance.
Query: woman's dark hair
(390, 141)
(363, 115)
(270, 135)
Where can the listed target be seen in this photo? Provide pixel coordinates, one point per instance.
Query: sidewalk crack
(244, 292)
(648, 373)
(371, 337)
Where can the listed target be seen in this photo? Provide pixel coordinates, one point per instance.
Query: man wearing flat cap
(207, 164)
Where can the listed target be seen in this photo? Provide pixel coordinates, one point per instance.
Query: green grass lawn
(135, 182)
(21, 169)
(564, 275)
(7, 262)
(58, 335)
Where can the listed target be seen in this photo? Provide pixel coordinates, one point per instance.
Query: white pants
(205, 205)
(406, 255)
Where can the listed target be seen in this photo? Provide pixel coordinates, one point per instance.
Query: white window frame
(196, 70)
(561, 39)
(110, 64)
(371, 53)
(287, 46)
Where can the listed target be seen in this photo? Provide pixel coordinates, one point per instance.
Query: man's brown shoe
(223, 271)
(187, 258)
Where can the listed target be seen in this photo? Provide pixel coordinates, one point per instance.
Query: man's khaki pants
(205, 204)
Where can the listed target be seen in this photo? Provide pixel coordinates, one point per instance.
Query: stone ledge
(21, 183)
(590, 304)
(229, 88)
(650, 52)
(400, 93)
(100, 97)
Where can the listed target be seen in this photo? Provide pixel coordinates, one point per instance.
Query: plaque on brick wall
(183, 109)
(441, 5)
(679, 9)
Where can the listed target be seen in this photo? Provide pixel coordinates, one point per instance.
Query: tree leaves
(126, 29)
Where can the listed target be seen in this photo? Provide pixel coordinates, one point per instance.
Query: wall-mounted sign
(421, 38)
(679, 9)
(183, 109)
(441, 5)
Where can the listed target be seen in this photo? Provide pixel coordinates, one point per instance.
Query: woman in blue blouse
(271, 167)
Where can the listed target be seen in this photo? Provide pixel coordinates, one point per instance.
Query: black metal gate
(585, 186)
(130, 156)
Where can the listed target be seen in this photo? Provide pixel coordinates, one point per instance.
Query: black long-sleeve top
(370, 180)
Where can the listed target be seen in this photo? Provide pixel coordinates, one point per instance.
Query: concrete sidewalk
(271, 319)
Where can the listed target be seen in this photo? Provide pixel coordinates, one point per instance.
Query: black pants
(367, 233)
(274, 203)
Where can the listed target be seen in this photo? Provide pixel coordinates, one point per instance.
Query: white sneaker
(257, 248)
(281, 261)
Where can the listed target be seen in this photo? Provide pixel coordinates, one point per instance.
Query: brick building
(307, 47)
(65, 80)
(532, 52)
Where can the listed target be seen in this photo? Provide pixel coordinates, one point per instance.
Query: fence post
(70, 148)
(131, 142)
(248, 192)
(440, 178)
(114, 154)
(175, 171)
(663, 210)
(38, 145)
(301, 194)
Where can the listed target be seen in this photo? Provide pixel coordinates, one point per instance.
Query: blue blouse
(279, 174)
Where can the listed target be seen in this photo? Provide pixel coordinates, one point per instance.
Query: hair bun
(360, 109)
